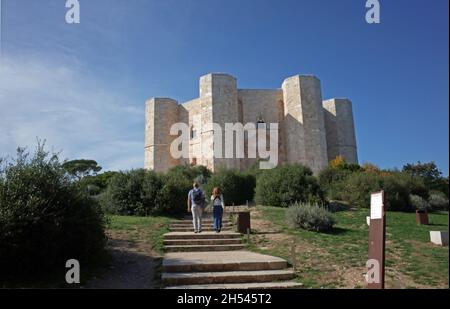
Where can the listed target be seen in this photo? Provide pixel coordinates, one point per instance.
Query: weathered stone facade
(310, 132)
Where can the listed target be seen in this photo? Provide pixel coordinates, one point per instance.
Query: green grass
(408, 249)
(426, 263)
(147, 229)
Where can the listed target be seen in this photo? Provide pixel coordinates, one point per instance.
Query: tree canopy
(428, 171)
(81, 168)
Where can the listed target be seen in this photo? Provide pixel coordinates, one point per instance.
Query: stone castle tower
(310, 131)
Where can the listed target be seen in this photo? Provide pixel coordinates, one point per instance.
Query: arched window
(193, 132)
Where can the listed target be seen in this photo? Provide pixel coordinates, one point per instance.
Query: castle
(310, 131)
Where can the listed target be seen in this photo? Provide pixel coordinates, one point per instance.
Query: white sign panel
(376, 205)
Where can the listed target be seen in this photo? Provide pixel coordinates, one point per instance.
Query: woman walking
(218, 205)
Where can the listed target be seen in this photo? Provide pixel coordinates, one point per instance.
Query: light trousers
(197, 213)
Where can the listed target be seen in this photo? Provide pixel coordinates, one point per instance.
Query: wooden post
(293, 256)
(377, 240)
(243, 222)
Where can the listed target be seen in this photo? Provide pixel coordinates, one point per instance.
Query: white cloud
(76, 113)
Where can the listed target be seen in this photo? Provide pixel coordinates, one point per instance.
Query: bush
(330, 180)
(176, 184)
(419, 203)
(45, 219)
(237, 187)
(438, 201)
(357, 188)
(124, 195)
(144, 193)
(287, 184)
(442, 185)
(309, 217)
(193, 173)
(173, 194)
(397, 193)
(97, 184)
(415, 185)
(152, 184)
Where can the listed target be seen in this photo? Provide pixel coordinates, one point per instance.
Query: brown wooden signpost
(377, 236)
(243, 222)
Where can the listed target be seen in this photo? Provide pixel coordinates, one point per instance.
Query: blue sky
(82, 87)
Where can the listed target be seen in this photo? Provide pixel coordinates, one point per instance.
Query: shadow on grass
(253, 232)
(436, 224)
(335, 206)
(336, 231)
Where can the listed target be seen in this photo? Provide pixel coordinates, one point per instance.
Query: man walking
(196, 202)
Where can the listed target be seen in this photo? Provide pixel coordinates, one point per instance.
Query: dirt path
(132, 264)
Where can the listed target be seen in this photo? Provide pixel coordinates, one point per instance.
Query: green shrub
(287, 184)
(330, 180)
(176, 184)
(144, 193)
(357, 188)
(438, 200)
(415, 185)
(397, 193)
(45, 219)
(124, 195)
(309, 217)
(152, 184)
(442, 185)
(173, 194)
(193, 173)
(419, 203)
(96, 184)
(237, 187)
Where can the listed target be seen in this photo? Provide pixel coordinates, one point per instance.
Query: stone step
(211, 241)
(227, 277)
(220, 261)
(206, 221)
(203, 235)
(207, 214)
(204, 228)
(243, 286)
(203, 248)
(189, 224)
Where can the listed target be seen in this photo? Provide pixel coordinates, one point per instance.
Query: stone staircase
(210, 260)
